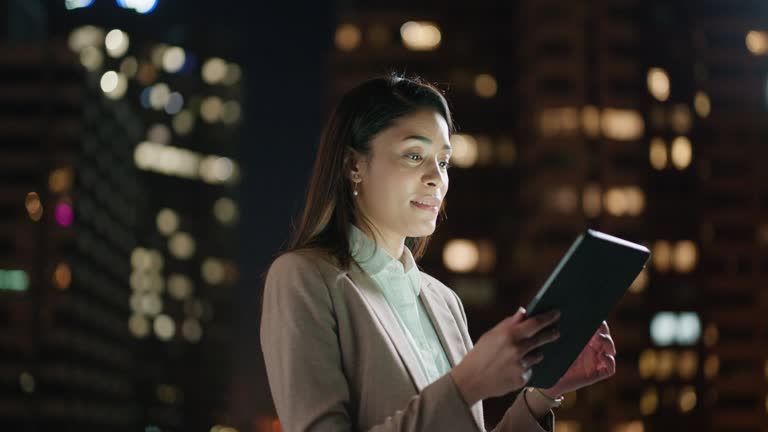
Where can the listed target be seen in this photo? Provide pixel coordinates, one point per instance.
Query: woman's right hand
(501, 360)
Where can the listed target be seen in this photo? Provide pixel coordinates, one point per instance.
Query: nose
(434, 177)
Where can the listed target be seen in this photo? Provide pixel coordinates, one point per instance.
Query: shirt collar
(376, 261)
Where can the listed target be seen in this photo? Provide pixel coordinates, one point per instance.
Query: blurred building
(119, 232)
(643, 120)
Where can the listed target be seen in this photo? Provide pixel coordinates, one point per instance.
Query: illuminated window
(164, 327)
(688, 364)
(685, 256)
(559, 121)
(486, 86)
(62, 276)
(658, 153)
(687, 399)
(649, 401)
(711, 366)
(711, 335)
(658, 84)
(633, 426)
(683, 328)
(667, 360)
(757, 42)
(60, 180)
(27, 382)
(116, 42)
(590, 121)
(591, 200)
(138, 325)
(214, 70)
(225, 210)
(681, 119)
(173, 59)
(14, 280)
(681, 152)
(662, 255)
(181, 245)
(347, 37)
(564, 199)
(702, 104)
(167, 221)
(664, 328)
(420, 36)
(646, 364)
(622, 124)
(465, 150)
(461, 255)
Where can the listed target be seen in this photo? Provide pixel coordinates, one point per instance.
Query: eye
(445, 164)
(414, 157)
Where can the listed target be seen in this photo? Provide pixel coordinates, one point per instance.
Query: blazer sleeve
(518, 417)
(299, 338)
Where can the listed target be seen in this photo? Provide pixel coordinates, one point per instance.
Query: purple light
(64, 214)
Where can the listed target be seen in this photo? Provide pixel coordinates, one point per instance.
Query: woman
(354, 335)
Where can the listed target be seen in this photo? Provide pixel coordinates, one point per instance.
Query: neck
(393, 244)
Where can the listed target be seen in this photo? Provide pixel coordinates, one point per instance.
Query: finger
(516, 318)
(609, 366)
(541, 338)
(608, 344)
(532, 358)
(533, 325)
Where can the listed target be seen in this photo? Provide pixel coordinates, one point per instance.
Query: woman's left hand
(595, 363)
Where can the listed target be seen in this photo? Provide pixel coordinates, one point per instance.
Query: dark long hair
(360, 115)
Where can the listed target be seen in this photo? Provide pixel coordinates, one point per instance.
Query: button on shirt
(400, 282)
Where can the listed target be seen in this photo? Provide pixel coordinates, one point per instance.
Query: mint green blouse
(400, 282)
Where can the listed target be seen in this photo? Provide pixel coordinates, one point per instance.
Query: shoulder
(311, 260)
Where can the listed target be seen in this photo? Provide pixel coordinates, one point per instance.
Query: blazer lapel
(376, 301)
(447, 330)
(446, 327)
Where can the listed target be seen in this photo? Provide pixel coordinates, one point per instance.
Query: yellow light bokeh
(622, 124)
(348, 37)
(711, 366)
(662, 255)
(420, 35)
(649, 401)
(685, 256)
(681, 152)
(687, 399)
(757, 42)
(465, 152)
(658, 153)
(461, 255)
(486, 86)
(646, 364)
(658, 84)
(702, 104)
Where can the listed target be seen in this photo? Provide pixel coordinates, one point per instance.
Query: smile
(423, 206)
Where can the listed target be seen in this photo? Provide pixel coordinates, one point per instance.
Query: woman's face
(404, 178)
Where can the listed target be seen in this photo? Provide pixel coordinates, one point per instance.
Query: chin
(422, 229)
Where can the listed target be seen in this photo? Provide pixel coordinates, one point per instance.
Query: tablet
(585, 286)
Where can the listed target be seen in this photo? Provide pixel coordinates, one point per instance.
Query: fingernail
(521, 310)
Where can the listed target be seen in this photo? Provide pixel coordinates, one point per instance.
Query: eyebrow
(425, 140)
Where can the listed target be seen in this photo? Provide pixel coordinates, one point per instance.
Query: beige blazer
(337, 359)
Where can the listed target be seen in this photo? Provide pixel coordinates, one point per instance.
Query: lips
(428, 203)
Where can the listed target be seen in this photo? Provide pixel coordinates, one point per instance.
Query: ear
(354, 164)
